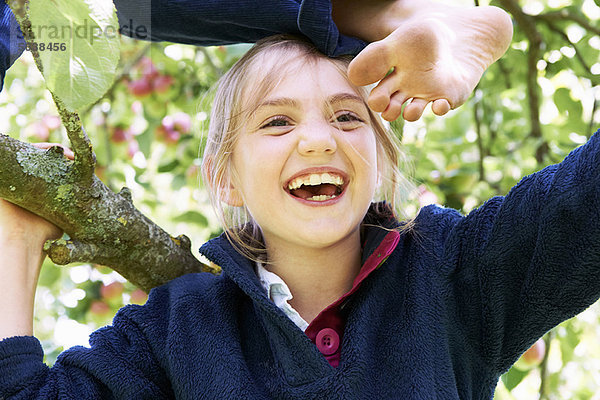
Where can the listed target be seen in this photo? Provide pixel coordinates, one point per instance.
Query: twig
(504, 72)
(565, 14)
(527, 23)
(565, 37)
(216, 70)
(477, 117)
(594, 108)
(544, 374)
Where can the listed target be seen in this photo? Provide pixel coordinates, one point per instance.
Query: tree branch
(544, 373)
(527, 23)
(565, 14)
(594, 108)
(216, 70)
(104, 227)
(477, 112)
(505, 73)
(587, 68)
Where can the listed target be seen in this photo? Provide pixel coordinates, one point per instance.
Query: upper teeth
(315, 179)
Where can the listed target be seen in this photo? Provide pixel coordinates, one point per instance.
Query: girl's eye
(348, 120)
(276, 122)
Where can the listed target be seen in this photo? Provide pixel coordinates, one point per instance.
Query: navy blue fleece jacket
(207, 23)
(456, 303)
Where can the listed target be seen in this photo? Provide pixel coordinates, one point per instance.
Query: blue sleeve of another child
(208, 23)
(530, 260)
(221, 22)
(11, 40)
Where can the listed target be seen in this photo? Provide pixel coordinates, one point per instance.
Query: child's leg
(438, 52)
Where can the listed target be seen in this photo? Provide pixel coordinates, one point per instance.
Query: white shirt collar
(279, 292)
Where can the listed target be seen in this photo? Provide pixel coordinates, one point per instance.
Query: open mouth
(317, 187)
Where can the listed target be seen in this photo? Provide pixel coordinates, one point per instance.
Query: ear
(232, 196)
(226, 190)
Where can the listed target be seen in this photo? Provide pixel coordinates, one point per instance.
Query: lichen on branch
(103, 227)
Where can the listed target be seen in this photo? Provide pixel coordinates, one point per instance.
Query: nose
(317, 139)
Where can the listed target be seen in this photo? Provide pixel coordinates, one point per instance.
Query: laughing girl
(325, 294)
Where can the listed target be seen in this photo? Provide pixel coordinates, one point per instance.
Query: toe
(371, 64)
(440, 106)
(379, 99)
(414, 110)
(393, 111)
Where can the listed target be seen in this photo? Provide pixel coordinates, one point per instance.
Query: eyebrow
(288, 101)
(345, 96)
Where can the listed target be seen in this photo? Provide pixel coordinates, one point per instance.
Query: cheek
(364, 149)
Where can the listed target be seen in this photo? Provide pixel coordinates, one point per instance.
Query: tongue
(305, 192)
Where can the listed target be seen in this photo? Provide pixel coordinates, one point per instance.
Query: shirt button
(328, 341)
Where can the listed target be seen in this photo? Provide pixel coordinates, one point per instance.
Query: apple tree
(136, 119)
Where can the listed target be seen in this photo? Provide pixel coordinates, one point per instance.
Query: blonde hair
(229, 114)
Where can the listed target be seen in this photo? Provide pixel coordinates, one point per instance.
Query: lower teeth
(321, 197)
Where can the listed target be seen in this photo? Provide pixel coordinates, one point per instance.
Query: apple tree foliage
(147, 113)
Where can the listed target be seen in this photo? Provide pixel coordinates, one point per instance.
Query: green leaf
(168, 166)
(78, 44)
(513, 377)
(193, 217)
(49, 275)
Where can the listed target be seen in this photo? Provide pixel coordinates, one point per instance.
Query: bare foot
(438, 55)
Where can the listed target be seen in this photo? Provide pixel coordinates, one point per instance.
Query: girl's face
(305, 163)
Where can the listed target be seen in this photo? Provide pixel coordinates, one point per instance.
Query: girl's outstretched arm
(521, 264)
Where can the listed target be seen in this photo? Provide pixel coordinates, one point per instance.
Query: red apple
(148, 68)
(182, 122)
(51, 121)
(162, 83)
(138, 296)
(120, 135)
(111, 291)
(99, 308)
(167, 131)
(533, 356)
(140, 88)
(38, 130)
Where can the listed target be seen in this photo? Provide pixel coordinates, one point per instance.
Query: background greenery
(147, 132)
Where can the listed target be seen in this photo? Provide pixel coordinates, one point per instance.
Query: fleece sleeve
(11, 40)
(220, 22)
(118, 364)
(208, 23)
(530, 260)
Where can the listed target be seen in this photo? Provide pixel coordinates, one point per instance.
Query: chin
(320, 237)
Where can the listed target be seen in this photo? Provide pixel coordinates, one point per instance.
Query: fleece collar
(287, 340)
(377, 223)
